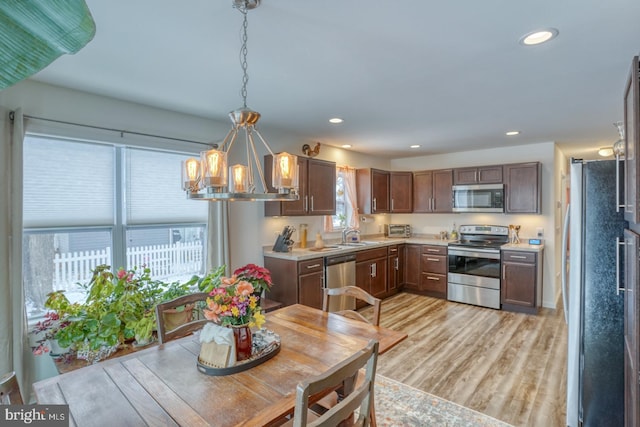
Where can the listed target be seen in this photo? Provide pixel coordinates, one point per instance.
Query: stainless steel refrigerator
(592, 299)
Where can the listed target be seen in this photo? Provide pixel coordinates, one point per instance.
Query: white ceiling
(449, 75)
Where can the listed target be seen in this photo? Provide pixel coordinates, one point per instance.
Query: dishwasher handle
(339, 259)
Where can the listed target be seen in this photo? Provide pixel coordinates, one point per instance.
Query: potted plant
(45, 332)
(175, 317)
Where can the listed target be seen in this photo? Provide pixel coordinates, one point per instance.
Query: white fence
(165, 261)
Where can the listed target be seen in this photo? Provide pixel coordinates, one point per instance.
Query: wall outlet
(540, 232)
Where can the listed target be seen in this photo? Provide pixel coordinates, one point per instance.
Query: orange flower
(212, 311)
(244, 288)
(228, 281)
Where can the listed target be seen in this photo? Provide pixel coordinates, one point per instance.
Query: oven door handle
(475, 253)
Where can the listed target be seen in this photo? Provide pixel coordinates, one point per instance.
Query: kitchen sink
(360, 243)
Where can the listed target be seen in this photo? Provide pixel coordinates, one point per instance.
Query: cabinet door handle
(391, 204)
(373, 270)
(434, 259)
(504, 273)
(313, 266)
(374, 205)
(618, 204)
(306, 203)
(618, 244)
(433, 250)
(517, 257)
(393, 250)
(396, 264)
(312, 203)
(433, 278)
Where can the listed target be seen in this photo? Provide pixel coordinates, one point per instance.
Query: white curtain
(349, 179)
(14, 344)
(218, 235)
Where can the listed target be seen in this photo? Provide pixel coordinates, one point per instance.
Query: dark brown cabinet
(296, 282)
(395, 264)
(371, 271)
(478, 175)
(520, 287)
(412, 254)
(631, 329)
(522, 183)
(433, 279)
(317, 189)
(373, 186)
(632, 143)
(401, 192)
(432, 191)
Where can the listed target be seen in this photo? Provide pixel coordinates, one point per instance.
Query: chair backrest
(357, 293)
(345, 372)
(168, 329)
(10, 390)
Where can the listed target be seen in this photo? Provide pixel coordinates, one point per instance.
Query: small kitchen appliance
(397, 230)
(474, 265)
(478, 198)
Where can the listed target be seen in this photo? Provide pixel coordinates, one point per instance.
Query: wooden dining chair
(359, 294)
(10, 390)
(167, 332)
(361, 395)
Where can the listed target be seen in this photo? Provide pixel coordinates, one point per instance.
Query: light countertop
(331, 248)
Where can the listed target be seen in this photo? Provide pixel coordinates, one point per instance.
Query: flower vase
(242, 336)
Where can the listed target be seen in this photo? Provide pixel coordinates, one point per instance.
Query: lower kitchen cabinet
(296, 282)
(521, 282)
(426, 270)
(371, 271)
(396, 268)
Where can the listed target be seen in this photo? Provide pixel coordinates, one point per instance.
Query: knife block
(282, 244)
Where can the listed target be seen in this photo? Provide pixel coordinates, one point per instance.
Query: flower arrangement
(232, 303)
(258, 276)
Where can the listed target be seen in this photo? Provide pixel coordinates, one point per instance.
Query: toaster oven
(397, 230)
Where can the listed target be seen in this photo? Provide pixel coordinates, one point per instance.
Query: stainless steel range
(474, 265)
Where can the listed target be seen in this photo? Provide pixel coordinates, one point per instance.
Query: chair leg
(372, 416)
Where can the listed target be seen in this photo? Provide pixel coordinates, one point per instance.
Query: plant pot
(94, 356)
(56, 350)
(174, 317)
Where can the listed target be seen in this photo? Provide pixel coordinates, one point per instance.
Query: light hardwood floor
(510, 366)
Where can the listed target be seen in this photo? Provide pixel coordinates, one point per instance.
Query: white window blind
(67, 183)
(154, 192)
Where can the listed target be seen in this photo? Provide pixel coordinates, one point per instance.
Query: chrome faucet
(346, 232)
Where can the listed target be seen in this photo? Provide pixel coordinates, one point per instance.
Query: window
(88, 203)
(339, 220)
(346, 211)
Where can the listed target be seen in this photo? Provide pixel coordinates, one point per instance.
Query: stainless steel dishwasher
(340, 271)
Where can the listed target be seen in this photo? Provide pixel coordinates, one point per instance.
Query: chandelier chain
(243, 57)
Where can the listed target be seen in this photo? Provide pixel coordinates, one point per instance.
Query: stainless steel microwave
(478, 198)
(397, 230)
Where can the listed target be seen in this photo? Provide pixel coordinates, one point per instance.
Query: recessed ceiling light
(605, 151)
(414, 146)
(538, 36)
(336, 120)
(346, 146)
(512, 133)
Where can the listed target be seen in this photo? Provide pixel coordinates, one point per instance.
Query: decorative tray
(266, 344)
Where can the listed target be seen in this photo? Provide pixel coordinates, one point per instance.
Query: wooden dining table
(161, 385)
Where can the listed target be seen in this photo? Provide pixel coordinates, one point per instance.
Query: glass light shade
(605, 151)
(239, 179)
(214, 168)
(190, 174)
(285, 172)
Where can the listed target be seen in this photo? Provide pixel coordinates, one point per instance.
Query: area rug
(399, 405)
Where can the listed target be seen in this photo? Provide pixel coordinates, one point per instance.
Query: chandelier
(210, 177)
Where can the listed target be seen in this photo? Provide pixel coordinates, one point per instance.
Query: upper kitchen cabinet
(632, 143)
(401, 184)
(432, 191)
(522, 184)
(317, 189)
(479, 175)
(373, 187)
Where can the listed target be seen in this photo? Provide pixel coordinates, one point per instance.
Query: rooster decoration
(306, 149)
